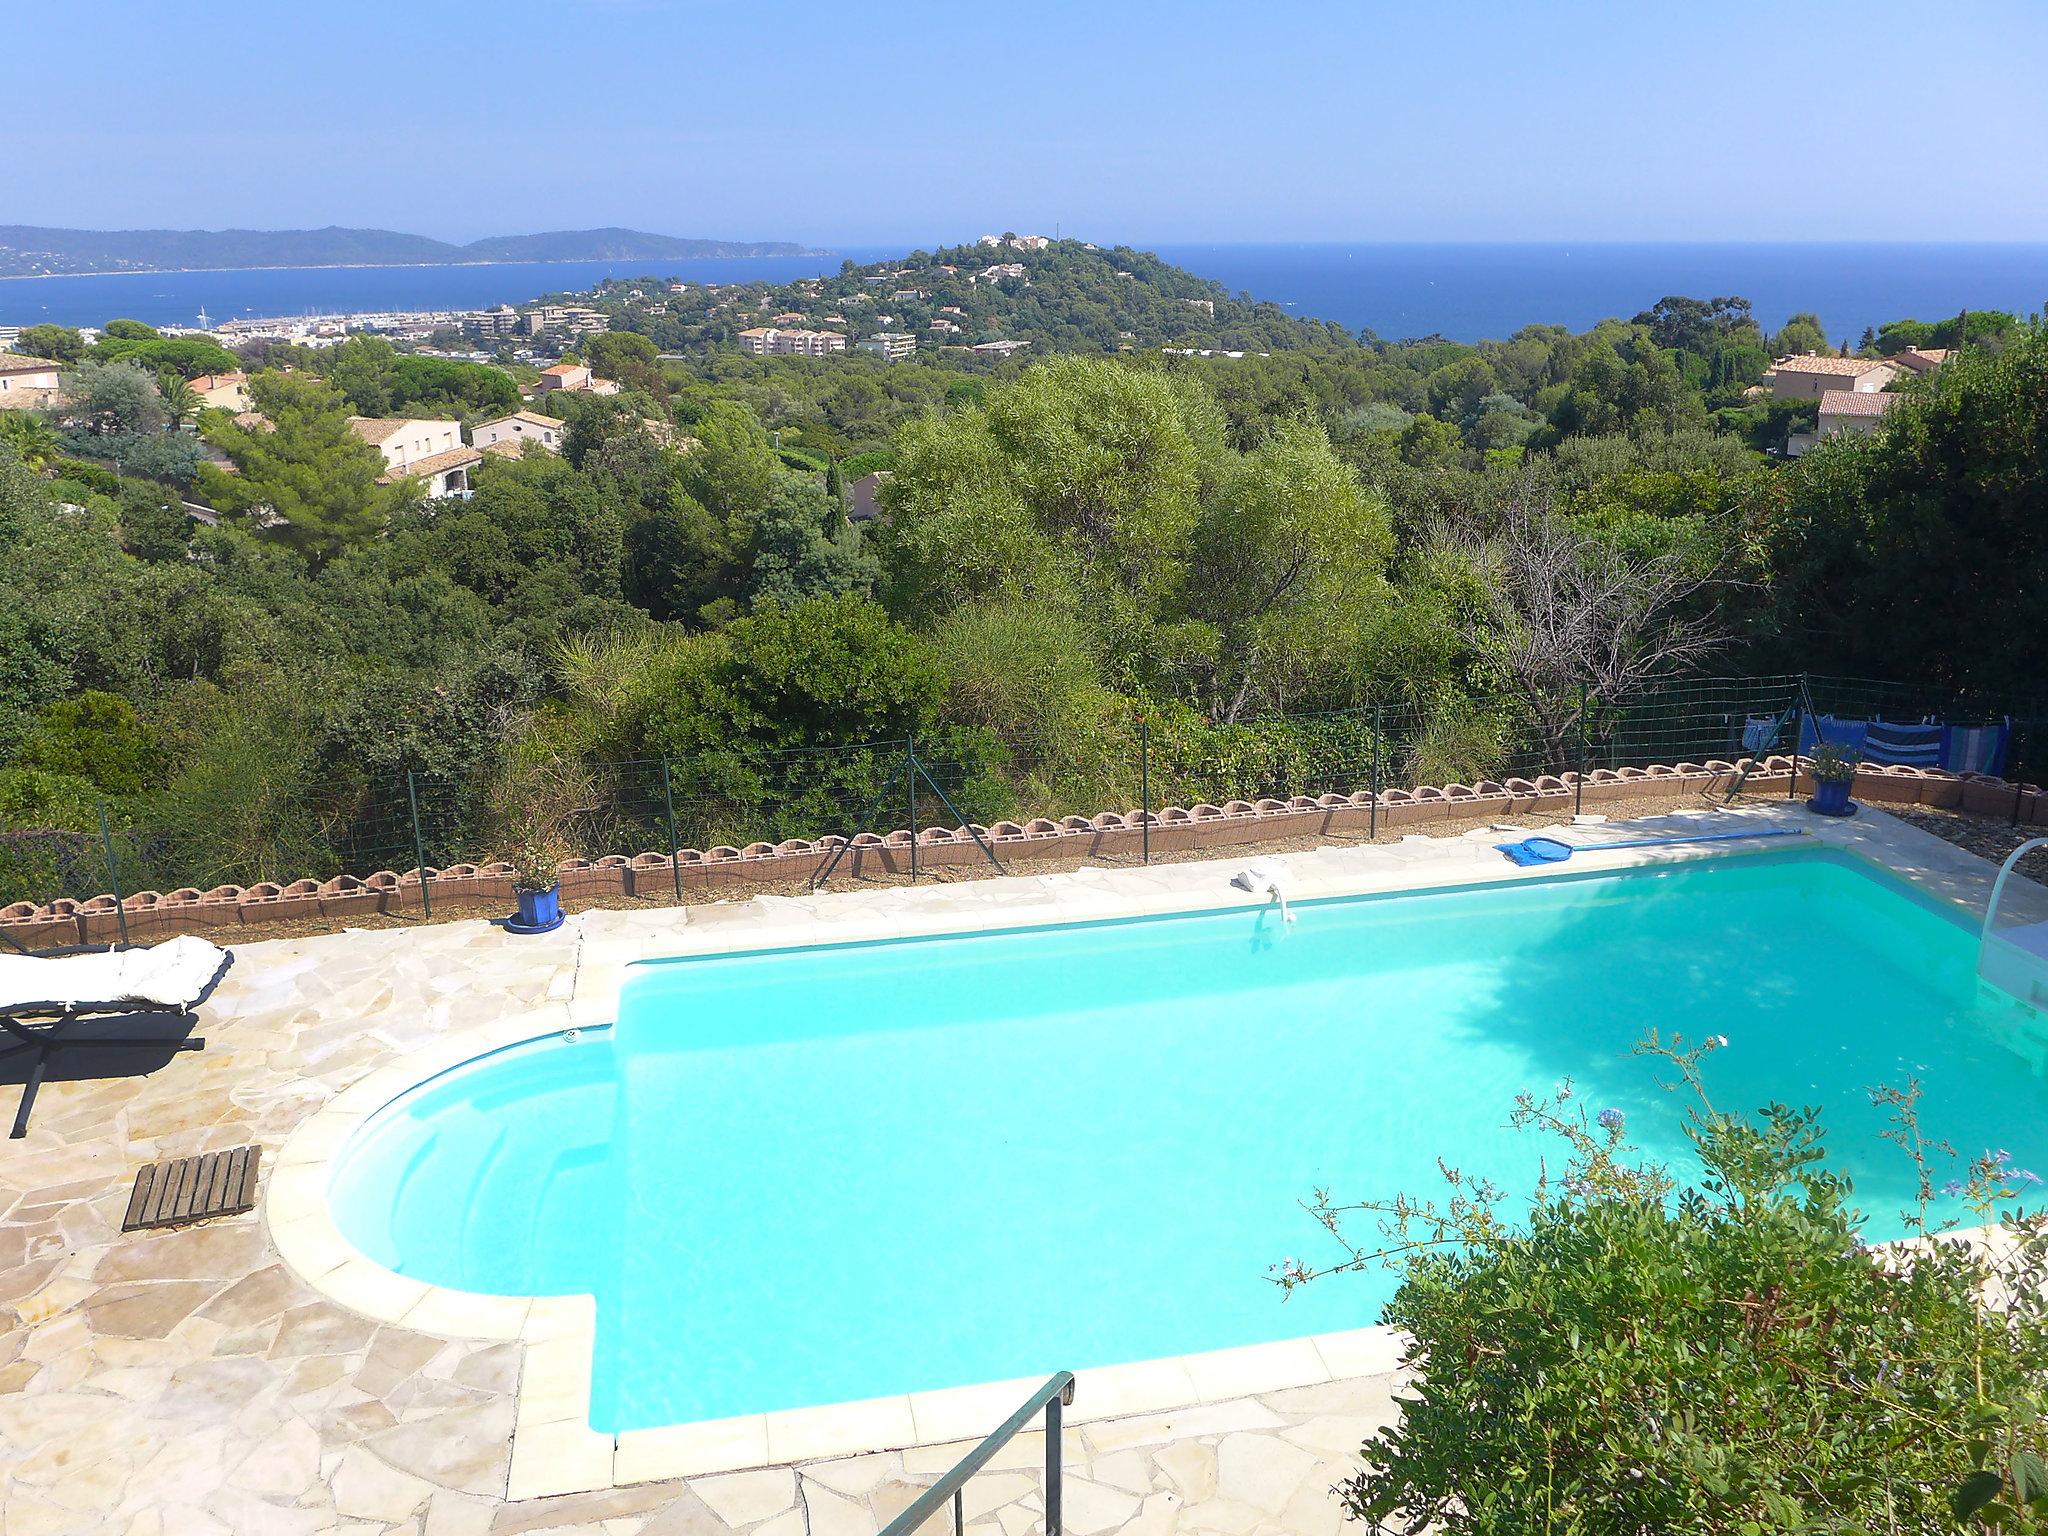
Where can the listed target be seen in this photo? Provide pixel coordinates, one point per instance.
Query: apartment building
(893, 345)
(773, 341)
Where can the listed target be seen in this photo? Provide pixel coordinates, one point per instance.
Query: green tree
(114, 398)
(1801, 334)
(1426, 443)
(623, 355)
(181, 403)
(59, 343)
(802, 546)
(1920, 551)
(1699, 326)
(442, 384)
(185, 356)
(1081, 479)
(1288, 567)
(365, 370)
(733, 469)
(1456, 389)
(130, 330)
(303, 476)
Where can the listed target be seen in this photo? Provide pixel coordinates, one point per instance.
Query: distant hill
(27, 250)
(1038, 295)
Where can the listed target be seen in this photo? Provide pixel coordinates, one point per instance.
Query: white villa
(510, 434)
(419, 449)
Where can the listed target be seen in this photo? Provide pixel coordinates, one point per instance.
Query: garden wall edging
(1175, 829)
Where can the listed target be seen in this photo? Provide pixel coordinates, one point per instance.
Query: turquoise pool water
(815, 1175)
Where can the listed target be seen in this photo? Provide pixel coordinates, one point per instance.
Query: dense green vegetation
(1225, 547)
(1066, 297)
(1628, 1356)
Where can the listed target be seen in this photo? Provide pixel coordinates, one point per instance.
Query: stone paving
(188, 1382)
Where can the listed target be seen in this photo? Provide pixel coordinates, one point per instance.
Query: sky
(1140, 120)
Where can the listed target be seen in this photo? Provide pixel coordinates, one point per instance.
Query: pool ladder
(1056, 1394)
(1263, 878)
(2015, 963)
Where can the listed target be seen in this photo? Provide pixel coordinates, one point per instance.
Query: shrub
(93, 737)
(1726, 1357)
(532, 806)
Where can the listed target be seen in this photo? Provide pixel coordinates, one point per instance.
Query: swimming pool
(807, 1176)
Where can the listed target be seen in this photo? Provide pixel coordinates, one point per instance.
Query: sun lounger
(43, 998)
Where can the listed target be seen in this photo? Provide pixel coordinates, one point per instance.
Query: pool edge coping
(554, 1451)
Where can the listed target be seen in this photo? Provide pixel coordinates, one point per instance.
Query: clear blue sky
(1120, 119)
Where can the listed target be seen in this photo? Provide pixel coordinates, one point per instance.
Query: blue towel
(1760, 732)
(1846, 734)
(1916, 746)
(1975, 748)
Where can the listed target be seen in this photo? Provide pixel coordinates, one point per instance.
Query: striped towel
(1916, 746)
(1976, 748)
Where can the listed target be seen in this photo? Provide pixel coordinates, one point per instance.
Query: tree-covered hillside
(1227, 547)
(1066, 297)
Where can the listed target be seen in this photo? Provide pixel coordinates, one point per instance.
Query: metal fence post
(2012, 766)
(419, 845)
(1579, 785)
(1798, 728)
(1378, 737)
(668, 805)
(113, 875)
(910, 756)
(1144, 792)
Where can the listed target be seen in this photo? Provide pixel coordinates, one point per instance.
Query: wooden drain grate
(193, 1188)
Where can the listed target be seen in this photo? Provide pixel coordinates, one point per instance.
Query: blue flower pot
(539, 911)
(1831, 798)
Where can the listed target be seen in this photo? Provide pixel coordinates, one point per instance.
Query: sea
(1463, 292)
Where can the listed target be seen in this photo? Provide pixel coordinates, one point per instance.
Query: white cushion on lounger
(171, 975)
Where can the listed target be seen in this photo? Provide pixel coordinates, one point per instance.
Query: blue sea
(1466, 292)
(175, 298)
(1472, 292)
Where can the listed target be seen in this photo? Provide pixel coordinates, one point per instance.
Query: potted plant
(1833, 770)
(535, 860)
(533, 805)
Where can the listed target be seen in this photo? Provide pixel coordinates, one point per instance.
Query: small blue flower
(1611, 1118)
(2023, 1175)
(1952, 1188)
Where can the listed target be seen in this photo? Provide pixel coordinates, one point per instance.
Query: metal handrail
(1998, 886)
(1056, 1393)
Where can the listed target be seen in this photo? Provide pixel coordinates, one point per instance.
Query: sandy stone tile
(1190, 1466)
(367, 1486)
(1090, 1508)
(747, 1498)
